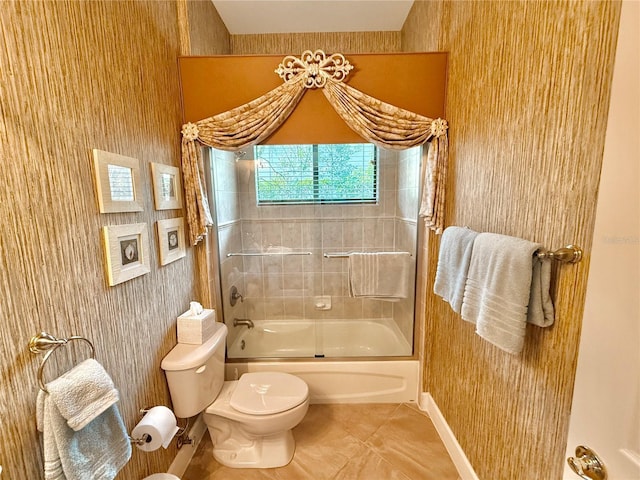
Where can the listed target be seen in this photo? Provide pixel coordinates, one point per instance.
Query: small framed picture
(118, 182)
(171, 240)
(167, 188)
(126, 251)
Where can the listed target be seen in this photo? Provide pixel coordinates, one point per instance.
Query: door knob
(587, 464)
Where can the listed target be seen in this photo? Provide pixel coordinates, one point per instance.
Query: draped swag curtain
(378, 122)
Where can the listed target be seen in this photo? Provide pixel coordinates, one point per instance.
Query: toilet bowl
(250, 419)
(161, 476)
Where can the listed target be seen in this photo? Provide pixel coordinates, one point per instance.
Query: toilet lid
(264, 393)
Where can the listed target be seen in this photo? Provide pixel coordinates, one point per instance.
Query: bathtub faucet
(243, 321)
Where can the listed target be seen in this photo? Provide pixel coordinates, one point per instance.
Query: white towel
(83, 393)
(382, 275)
(541, 311)
(96, 451)
(453, 264)
(498, 289)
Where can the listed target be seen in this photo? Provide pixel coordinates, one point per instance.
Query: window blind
(337, 173)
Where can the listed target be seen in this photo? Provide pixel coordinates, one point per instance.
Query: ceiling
(300, 16)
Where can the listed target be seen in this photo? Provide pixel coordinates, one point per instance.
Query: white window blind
(340, 173)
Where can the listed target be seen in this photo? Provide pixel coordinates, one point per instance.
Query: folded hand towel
(453, 264)
(498, 289)
(96, 451)
(383, 275)
(83, 393)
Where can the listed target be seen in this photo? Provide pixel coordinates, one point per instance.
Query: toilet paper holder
(146, 438)
(142, 440)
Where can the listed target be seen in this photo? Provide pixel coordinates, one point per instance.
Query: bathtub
(336, 378)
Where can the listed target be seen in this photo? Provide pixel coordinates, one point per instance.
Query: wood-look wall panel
(74, 76)
(527, 104)
(330, 42)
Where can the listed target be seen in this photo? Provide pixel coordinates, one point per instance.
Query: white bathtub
(318, 338)
(332, 381)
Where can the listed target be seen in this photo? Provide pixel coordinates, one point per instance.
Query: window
(342, 173)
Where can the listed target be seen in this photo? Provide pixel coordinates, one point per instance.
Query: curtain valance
(378, 122)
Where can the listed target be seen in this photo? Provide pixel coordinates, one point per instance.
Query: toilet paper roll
(160, 426)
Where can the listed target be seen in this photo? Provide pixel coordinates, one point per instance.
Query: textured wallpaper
(76, 76)
(527, 104)
(296, 43)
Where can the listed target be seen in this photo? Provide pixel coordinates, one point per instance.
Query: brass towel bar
(568, 254)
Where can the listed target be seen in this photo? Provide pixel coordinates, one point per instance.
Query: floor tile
(369, 466)
(348, 442)
(361, 421)
(409, 441)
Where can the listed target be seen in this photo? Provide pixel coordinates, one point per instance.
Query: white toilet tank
(195, 373)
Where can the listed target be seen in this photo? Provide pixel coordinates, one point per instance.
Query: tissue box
(196, 329)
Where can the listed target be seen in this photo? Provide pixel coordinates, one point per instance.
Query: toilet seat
(266, 393)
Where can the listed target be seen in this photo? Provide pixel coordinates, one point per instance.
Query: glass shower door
(284, 255)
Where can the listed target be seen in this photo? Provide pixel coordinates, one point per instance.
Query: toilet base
(260, 452)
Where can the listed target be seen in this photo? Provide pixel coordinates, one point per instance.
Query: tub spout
(243, 321)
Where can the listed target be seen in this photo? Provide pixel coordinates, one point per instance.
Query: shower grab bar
(267, 254)
(346, 254)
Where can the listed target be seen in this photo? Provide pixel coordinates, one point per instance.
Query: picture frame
(126, 252)
(118, 182)
(167, 187)
(171, 240)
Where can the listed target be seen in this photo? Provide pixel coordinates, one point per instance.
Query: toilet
(161, 476)
(250, 419)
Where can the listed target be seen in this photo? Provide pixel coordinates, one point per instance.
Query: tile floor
(349, 442)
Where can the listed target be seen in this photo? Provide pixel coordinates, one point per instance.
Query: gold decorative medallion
(315, 68)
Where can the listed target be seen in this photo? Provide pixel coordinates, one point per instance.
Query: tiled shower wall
(287, 287)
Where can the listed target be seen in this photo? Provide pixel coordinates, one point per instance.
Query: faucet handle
(235, 295)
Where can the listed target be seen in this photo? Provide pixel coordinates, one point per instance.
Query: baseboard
(460, 460)
(186, 453)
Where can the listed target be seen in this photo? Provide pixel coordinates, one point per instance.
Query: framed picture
(171, 240)
(167, 188)
(118, 182)
(126, 251)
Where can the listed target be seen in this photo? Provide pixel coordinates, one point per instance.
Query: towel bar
(45, 342)
(267, 254)
(346, 254)
(568, 254)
